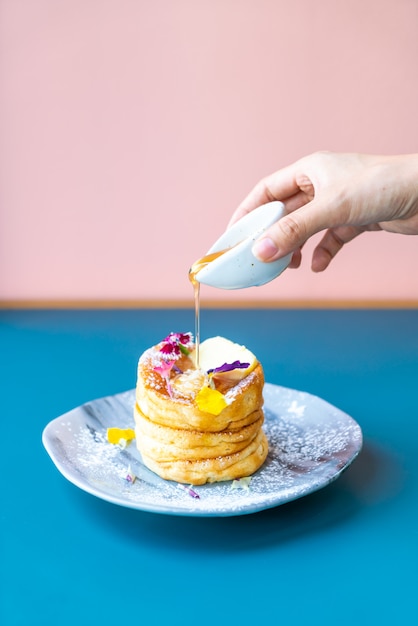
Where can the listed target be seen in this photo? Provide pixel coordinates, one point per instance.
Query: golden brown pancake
(228, 467)
(181, 411)
(165, 443)
(179, 441)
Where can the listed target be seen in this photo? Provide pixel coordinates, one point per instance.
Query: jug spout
(230, 263)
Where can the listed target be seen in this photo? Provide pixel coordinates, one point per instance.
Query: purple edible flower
(170, 349)
(130, 476)
(188, 490)
(176, 344)
(227, 367)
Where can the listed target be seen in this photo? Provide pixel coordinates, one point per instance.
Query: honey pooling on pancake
(198, 425)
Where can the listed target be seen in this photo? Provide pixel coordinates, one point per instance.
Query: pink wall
(131, 129)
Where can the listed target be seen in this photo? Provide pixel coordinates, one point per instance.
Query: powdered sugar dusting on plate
(310, 443)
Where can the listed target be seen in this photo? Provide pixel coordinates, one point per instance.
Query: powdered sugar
(310, 443)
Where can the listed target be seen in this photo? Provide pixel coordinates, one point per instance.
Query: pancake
(180, 410)
(168, 444)
(199, 472)
(198, 425)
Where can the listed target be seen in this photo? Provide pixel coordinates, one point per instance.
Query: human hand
(343, 194)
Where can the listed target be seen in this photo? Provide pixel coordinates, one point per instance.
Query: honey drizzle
(196, 267)
(196, 290)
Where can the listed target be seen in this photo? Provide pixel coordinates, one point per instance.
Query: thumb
(292, 230)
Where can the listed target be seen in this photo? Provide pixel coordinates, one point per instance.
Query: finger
(296, 201)
(330, 244)
(296, 259)
(291, 231)
(278, 186)
(290, 204)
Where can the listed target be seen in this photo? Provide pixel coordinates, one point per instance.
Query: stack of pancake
(180, 441)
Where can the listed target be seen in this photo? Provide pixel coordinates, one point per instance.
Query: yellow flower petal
(115, 435)
(211, 401)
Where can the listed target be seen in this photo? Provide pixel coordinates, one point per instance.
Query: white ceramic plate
(311, 442)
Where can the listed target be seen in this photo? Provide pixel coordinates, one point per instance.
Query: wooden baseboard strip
(210, 304)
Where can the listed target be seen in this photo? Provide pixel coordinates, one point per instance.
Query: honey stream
(196, 267)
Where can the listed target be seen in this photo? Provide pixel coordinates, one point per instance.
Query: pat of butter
(216, 351)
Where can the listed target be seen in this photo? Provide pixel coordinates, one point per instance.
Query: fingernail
(264, 249)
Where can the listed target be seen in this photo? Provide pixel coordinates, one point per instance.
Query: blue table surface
(346, 554)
